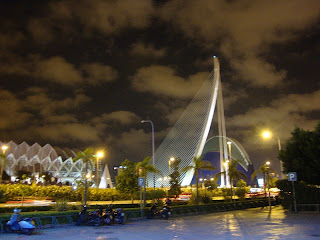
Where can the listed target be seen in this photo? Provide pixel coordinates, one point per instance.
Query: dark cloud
(84, 73)
(149, 50)
(244, 30)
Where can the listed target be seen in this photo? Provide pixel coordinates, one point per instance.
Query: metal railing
(45, 221)
(307, 207)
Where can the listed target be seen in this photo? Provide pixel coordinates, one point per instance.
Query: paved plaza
(257, 223)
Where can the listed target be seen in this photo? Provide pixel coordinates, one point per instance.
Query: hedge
(54, 192)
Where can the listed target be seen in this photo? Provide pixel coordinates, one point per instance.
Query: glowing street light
(170, 162)
(98, 156)
(4, 148)
(267, 134)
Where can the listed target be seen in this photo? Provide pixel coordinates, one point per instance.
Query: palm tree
(87, 157)
(266, 171)
(234, 174)
(198, 164)
(143, 168)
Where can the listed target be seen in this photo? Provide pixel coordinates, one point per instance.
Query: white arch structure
(188, 136)
(55, 160)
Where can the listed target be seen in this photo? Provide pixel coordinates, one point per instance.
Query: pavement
(249, 224)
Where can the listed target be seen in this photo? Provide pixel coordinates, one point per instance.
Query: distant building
(57, 161)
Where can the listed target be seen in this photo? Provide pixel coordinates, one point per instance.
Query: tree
(127, 180)
(198, 164)
(175, 187)
(210, 184)
(233, 173)
(143, 168)
(87, 157)
(241, 189)
(267, 173)
(301, 155)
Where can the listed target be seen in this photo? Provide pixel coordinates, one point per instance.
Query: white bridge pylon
(188, 136)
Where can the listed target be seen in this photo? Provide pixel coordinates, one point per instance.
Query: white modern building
(38, 159)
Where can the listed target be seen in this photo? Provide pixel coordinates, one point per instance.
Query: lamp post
(170, 161)
(268, 182)
(230, 159)
(4, 148)
(268, 134)
(98, 155)
(153, 160)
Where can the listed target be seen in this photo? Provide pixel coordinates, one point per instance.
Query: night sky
(84, 73)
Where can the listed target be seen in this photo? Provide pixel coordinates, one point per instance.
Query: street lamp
(4, 148)
(268, 134)
(229, 148)
(98, 155)
(153, 160)
(268, 182)
(229, 143)
(170, 162)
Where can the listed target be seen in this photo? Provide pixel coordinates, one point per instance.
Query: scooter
(92, 218)
(108, 215)
(164, 212)
(25, 225)
(119, 215)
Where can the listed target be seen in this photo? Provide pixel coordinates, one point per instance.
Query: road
(255, 224)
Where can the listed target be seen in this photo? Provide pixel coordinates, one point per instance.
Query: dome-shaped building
(58, 162)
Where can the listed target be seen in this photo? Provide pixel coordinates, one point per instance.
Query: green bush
(226, 193)
(54, 192)
(205, 196)
(61, 205)
(3, 197)
(241, 189)
(305, 193)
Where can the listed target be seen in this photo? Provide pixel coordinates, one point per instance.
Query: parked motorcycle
(119, 215)
(113, 216)
(89, 218)
(108, 215)
(25, 225)
(164, 212)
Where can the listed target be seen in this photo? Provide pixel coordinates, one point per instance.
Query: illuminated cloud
(123, 117)
(163, 80)
(68, 132)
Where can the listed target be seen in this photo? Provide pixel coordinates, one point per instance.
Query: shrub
(205, 196)
(3, 197)
(61, 205)
(305, 194)
(241, 189)
(226, 193)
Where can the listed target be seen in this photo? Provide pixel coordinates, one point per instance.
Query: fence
(135, 214)
(306, 207)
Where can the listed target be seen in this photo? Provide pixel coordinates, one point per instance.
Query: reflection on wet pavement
(256, 223)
